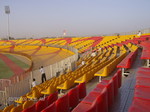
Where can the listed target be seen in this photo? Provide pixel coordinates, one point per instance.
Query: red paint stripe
(13, 66)
(37, 49)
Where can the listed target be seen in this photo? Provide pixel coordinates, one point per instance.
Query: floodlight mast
(7, 11)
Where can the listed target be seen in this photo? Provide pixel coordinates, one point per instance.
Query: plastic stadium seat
(48, 91)
(139, 105)
(110, 87)
(50, 108)
(73, 97)
(40, 105)
(22, 99)
(142, 92)
(143, 69)
(35, 94)
(98, 89)
(102, 101)
(82, 90)
(52, 98)
(62, 104)
(119, 78)
(142, 81)
(90, 98)
(8, 108)
(115, 79)
(27, 104)
(17, 109)
(143, 74)
(30, 109)
(84, 107)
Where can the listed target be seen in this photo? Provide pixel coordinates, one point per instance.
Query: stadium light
(7, 11)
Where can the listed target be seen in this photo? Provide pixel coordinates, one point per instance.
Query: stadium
(83, 74)
(74, 56)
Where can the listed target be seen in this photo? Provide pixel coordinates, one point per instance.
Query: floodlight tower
(7, 11)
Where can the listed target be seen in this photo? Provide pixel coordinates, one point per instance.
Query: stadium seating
(30, 109)
(40, 105)
(82, 90)
(8, 108)
(139, 105)
(112, 51)
(17, 109)
(127, 62)
(62, 104)
(50, 108)
(141, 99)
(52, 98)
(101, 98)
(27, 104)
(73, 97)
(35, 94)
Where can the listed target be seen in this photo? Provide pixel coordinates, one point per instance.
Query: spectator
(43, 74)
(33, 83)
(93, 54)
(83, 62)
(100, 49)
(139, 34)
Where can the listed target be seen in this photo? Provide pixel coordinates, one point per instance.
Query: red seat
(40, 105)
(30, 109)
(84, 107)
(91, 97)
(139, 105)
(52, 98)
(50, 108)
(82, 90)
(110, 87)
(62, 104)
(98, 89)
(73, 97)
(115, 79)
(143, 74)
(143, 69)
(142, 92)
(142, 81)
(119, 78)
(102, 101)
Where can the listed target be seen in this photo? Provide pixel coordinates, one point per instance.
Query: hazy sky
(40, 18)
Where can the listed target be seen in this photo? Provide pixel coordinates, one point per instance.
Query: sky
(49, 18)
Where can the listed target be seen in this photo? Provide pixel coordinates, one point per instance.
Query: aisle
(125, 93)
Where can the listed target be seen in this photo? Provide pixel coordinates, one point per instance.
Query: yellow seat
(17, 109)
(51, 89)
(22, 99)
(35, 94)
(81, 79)
(66, 85)
(27, 104)
(8, 108)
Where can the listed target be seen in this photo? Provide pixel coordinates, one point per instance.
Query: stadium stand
(109, 52)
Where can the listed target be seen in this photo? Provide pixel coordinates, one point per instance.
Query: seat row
(105, 71)
(68, 101)
(141, 99)
(127, 62)
(101, 98)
